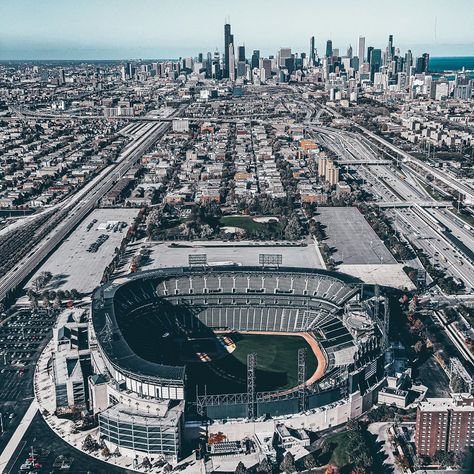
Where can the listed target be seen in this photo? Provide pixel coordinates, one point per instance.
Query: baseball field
(277, 364)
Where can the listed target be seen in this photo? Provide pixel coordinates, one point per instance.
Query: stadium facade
(140, 403)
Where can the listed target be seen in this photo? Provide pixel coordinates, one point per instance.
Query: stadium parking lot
(22, 338)
(81, 259)
(354, 241)
(244, 253)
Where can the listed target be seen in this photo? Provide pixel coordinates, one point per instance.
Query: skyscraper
(361, 49)
(408, 61)
(283, 55)
(369, 53)
(231, 56)
(216, 65)
(242, 53)
(255, 59)
(329, 49)
(209, 65)
(312, 51)
(390, 49)
(349, 52)
(227, 42)
(423, 63)
(375, 62)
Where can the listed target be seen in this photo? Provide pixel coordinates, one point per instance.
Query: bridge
(399, 204)
(363, 162)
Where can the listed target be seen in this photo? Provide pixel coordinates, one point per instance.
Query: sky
(122, 29)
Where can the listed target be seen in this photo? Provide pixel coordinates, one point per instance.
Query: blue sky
(117, 29)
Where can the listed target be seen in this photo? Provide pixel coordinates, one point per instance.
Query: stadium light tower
(251, 366)
(302, 378)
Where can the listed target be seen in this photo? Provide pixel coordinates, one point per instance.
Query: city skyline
(52, 30)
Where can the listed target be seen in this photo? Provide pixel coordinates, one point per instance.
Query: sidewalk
(66, 429)
(10, 448)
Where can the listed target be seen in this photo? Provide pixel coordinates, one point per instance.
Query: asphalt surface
(420, 226)
(49, 446)
(80, 208)
(354, 241)
(22, 338)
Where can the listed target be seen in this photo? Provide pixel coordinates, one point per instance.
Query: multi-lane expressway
(438, 232)
(76, 208)
(463, 189)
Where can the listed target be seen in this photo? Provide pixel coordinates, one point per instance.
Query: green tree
(288, 464)
(265, 466)
(309, 462)
(241, 469)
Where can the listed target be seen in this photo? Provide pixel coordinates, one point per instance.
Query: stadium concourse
(142, 325)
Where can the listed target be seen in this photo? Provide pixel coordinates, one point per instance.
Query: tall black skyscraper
(369, 53)
(423, 63)
(209, 65)
(312, 51)
(375, 62)
(242, 53)
(390, 53)
(329, 49)
(255, 59)
(227, 41)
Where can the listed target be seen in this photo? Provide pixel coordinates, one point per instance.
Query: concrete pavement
(12, 445)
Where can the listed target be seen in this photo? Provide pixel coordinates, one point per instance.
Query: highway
(462, 188)
(77, 207)
(438, 232)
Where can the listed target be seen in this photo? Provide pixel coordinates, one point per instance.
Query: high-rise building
(265, 69)
(241, 68)
(209, 65)
(408, 62)
(290, 64)
(216, 65)
(329, 49)
(255, 59)
(312, 51)
(349, 52)
(423, 63)
(390, 53)
(369, 53)
(227, 42)
(283, 55)
(242, 53)
(375, 62)
(231, 56)
(445, 424)
(361, 49)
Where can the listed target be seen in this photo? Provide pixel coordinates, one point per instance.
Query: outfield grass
(277, 365)
(276, 354)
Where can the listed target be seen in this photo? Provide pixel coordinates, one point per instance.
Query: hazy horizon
(119, 29)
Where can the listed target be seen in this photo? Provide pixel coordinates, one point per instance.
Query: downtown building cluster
(384, 73)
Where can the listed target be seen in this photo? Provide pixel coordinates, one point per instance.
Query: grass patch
(339, 455)
(246, 223)
(437, 196)
(263, 230)
(276, 354)
(277, 365)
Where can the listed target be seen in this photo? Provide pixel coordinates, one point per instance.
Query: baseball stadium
(243, 342)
